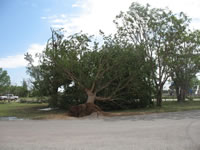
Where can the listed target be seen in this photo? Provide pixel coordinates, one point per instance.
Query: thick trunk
(85, 109)
(180, 94)
(91, 96)
(159, 97)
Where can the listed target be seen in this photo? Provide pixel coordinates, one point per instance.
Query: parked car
(3, 97)
(9, 97)
(12, 96)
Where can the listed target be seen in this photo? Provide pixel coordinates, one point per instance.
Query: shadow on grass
(27, 111)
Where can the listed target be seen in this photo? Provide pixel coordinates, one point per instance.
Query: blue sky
(21, 22)
(25, 24)
(22, 25)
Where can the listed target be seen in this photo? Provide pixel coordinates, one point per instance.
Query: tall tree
(147, 27)
(24, 88)
(184, 60)
(158, 32)
(4, 81)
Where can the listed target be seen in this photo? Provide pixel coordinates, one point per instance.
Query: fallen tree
(108, 72)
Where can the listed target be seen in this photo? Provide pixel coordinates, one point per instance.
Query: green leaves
(150, 45)
(4, 81)
(78, 62)
(165, 38)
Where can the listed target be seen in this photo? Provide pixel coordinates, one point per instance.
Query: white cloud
(63, 15)
(59, 21)
(18, 60)
(44, 18)
(99, 14)
(12, 61)
(49, 17)
(189, 7)
(75, 5)
(79, 3)
(94, 15)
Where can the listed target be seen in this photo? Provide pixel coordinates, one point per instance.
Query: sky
(25, 24)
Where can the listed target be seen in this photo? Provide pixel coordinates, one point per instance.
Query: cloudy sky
(25, 24)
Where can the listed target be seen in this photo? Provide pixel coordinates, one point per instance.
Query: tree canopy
(131, 67)
(162, 35)
(102, 73)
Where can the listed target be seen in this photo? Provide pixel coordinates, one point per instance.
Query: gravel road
(164, 131)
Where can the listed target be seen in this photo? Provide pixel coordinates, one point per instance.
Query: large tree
(102, 73)
(4, 81)
(150, 28)
(184, 60)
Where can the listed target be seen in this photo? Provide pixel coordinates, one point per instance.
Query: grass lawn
(31, 111)
(168, 106)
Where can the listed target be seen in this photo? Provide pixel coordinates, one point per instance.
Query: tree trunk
(85, 109)
(54, 97)
(91, 96)
(180, 94)
(159, 97)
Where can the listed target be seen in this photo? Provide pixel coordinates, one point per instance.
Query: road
(164, 131)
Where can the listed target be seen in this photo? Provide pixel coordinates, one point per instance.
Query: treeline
(124, 70)
(7, 88)
(21, 91)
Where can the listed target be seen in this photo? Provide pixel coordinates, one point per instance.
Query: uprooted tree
(103, 73)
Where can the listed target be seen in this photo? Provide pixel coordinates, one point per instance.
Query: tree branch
(103, 98)
(106, 85)
(72, 77)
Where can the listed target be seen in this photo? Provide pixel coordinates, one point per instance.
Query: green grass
(27, 111)
(170, 106)
(34, 99)
(31, 111)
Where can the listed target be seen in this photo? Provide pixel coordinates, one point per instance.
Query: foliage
(76, 64)
(162, 35)
(4, 81)
(21, 91)
(194, 83)
(184, 56)
(127, 69)
(39, 87)
(147, 28)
